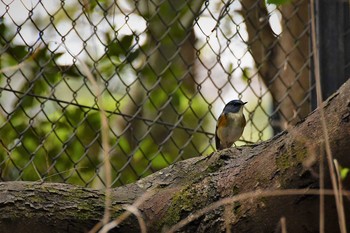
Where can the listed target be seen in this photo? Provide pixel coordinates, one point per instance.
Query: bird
(230, 125)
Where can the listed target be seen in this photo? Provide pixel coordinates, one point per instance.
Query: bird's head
(234, 106)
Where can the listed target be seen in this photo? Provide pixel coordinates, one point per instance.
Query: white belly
(232, 132)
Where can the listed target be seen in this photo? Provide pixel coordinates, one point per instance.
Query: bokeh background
(166, 68)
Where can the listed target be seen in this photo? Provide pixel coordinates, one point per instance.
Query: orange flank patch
(222, 122)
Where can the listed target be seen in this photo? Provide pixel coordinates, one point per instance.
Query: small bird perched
(230, 124)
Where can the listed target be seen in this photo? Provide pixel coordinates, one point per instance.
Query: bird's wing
(223, 122)
(217, 140)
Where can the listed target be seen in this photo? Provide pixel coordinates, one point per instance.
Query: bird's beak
(244, 103)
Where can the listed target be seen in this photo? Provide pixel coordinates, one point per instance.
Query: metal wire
(165, 68)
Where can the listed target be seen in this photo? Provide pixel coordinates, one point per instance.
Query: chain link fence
(165, 69)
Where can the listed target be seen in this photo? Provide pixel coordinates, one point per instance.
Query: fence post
(331, 21)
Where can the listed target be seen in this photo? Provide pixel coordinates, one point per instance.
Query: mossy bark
(289, 160)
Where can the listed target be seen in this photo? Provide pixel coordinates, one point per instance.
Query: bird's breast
(235, 120)
(232, 125)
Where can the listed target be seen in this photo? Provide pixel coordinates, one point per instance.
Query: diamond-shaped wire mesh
(166, 68)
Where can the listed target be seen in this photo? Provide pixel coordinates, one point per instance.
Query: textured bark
(289, 160)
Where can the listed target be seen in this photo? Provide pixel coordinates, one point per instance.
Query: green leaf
(3, 30)
(230, 68)
(133, 55)
(120, 46)
(19, 52)
(57, 55)
(246, 74)
(41, 55)
(126, 42)
(278, 2)
(344, 172)
(70, 70)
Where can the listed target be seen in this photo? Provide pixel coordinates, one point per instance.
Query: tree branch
(288, 161)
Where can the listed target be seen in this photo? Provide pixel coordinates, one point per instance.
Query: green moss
(173, 214)
(301, 154)
(180, 202)
(283, 161)
(236, 207)
(235, 190)
(186, 200)
(215, 166)
(293, 155)
(290, 157)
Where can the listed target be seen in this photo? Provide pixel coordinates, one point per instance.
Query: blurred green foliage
(50, 126)
(278, 2)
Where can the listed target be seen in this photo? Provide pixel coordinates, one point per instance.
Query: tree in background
(283, 61)
(151, 114)
(165, 90)
(156, 111)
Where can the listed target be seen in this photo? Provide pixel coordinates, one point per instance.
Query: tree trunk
(282, 62)
(288, 161)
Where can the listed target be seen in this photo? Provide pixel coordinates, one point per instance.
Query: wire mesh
(165, 68)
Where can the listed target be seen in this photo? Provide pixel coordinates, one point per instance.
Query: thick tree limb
(289, 160)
